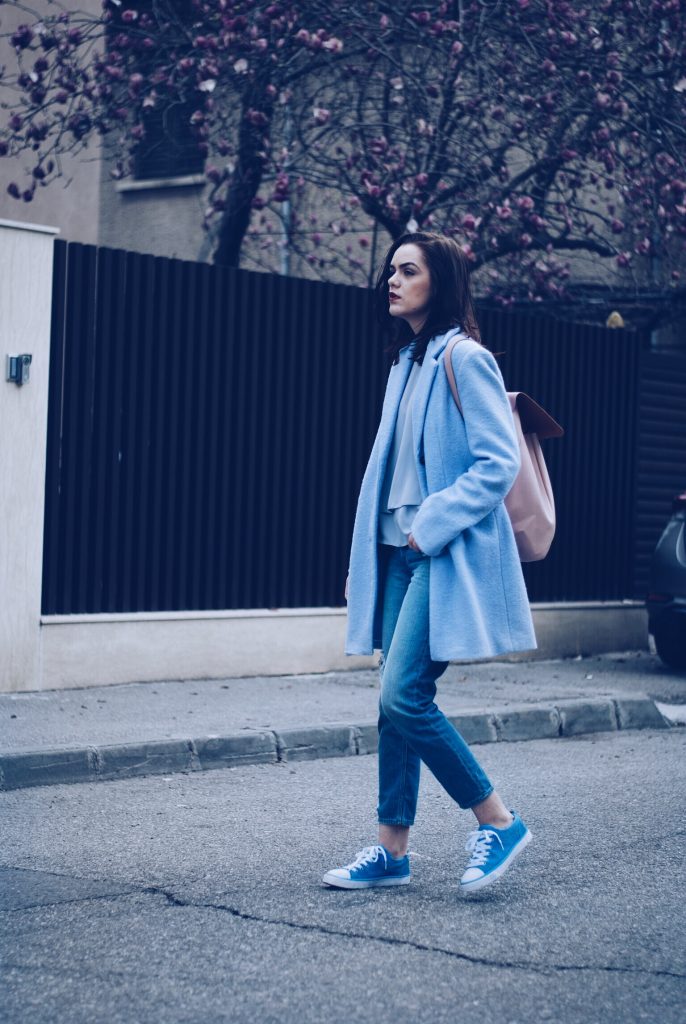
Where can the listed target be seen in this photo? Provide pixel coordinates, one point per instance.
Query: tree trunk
(236, 217)
(246, 179)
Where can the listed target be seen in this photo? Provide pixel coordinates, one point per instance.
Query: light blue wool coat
(478, 603)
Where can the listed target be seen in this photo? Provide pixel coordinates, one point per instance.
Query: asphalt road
(198, 897)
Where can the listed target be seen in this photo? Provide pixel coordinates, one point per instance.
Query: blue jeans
(412, 728)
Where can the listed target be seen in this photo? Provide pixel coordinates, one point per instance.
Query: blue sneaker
(493, 850)
(374, 865)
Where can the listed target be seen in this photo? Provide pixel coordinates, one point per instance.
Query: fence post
(26, 253)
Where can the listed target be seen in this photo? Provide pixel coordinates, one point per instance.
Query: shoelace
(368, 855)
(479, 845)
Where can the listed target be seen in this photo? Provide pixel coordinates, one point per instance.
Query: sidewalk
(134, 729)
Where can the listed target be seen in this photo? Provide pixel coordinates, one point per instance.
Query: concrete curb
(133, 760)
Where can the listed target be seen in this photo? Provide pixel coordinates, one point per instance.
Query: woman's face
(409, 286)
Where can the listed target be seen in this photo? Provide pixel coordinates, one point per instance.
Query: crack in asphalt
(177, 901)
(104, 896)
(127, 890)
(174, 900)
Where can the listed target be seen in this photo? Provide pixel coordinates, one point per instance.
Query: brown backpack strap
(533, 417)
(450, 371)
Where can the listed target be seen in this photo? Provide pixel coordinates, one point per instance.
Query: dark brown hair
(451, 303)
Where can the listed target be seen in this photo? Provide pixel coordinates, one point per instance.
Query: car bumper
(667, 613)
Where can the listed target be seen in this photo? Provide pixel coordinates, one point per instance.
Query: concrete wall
(25, 301)
(77, 651)
(160, 217)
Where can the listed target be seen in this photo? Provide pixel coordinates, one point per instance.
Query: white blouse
(401, 495)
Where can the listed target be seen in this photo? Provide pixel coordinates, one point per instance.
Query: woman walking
(434, 570)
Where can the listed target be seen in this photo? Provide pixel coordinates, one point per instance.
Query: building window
(170, 147)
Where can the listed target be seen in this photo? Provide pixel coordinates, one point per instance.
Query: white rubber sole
(493, 876)
(349, 883)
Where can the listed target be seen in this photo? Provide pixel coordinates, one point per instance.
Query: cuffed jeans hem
(399, 824)
(467, 807)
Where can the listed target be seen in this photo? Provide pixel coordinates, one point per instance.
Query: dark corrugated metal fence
(587, 377)
(206, 429)
(209, 428)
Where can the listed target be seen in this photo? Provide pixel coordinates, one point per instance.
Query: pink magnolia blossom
(136, 83)
(396, 138)
(21, 40)
(257, 118)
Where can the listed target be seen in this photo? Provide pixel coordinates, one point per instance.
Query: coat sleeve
(492, 441)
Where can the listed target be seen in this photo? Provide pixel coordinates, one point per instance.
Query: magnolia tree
(231, 64)
(529, 130)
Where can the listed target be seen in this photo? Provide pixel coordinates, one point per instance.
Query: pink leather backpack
(529, 503)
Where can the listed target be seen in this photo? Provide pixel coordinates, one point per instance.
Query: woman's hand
(413, 544)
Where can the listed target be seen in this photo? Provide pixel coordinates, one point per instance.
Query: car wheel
(671, 646)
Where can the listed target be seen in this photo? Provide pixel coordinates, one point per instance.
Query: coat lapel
(397, 379)
(422, 392)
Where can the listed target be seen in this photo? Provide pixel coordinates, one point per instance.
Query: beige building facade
(72, 203)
